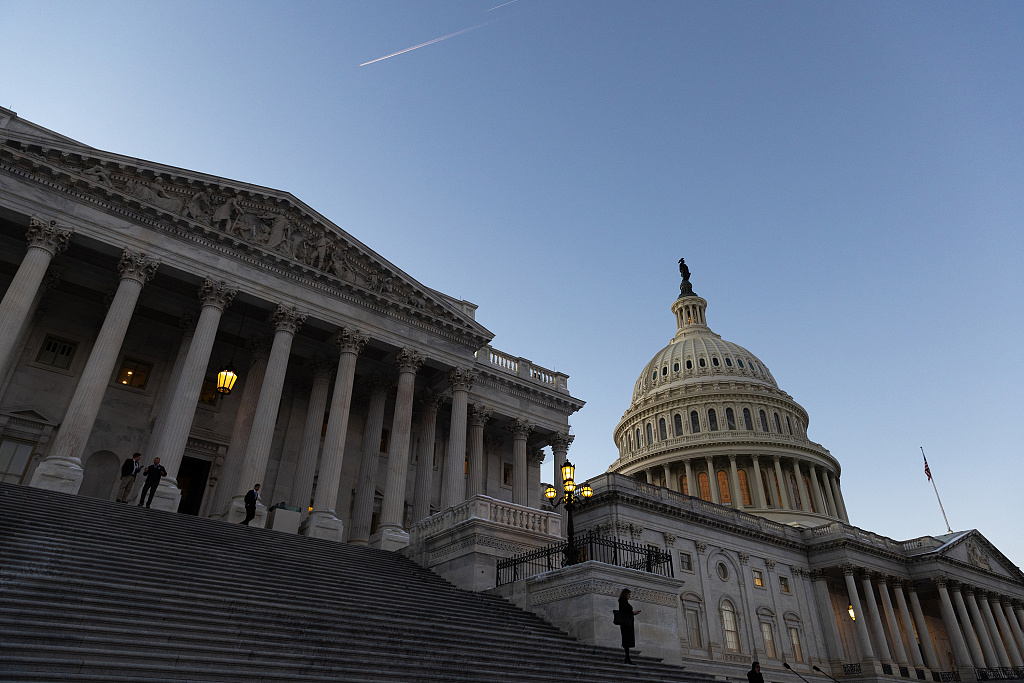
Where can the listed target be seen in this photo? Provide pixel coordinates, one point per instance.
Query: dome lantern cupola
(688, 308)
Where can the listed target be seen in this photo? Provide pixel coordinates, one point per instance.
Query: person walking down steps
(626, 614)
(154, 473)
(250, 500)
(129, 468)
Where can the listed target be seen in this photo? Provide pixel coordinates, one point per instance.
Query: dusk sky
(844, 179)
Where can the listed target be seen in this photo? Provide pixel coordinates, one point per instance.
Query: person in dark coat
(153, 474)
(754, 675)
(129, 468)
(250, 501)
(626, 614)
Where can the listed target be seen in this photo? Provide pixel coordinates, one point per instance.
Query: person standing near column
(129, 469)
(251, 498)
(153, 474)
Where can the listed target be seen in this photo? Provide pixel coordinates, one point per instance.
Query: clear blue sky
(845, 180)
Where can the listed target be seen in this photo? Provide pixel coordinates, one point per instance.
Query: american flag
(927, 472)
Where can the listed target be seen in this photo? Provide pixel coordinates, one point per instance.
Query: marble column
(716, 496)
(860, 621)
(981, 628)
(819, 500)
(309, 450)
(1003, 657)
(520, 431)
(429, 402)
(970, 635)
(881, 646)
(923, 634)
(216, 296)
(692, 488)
(453, 486)
(783, 490)
(560, 443)
(286, 321)
(478, 417)
(823, 601)
(962, 653)
(890, 618)
(666, 474)
(734, 478)
(1018, 610)
(841, 501)
(1015, 627)
(805, 494)
(1008, 640)
(45, 240)
(366, 483)
(188, 328)
(62, 468)
(50, 281)
(391, 534)
(252, 380)
(758, 484)
(323, 521)
(908, 625)
(828, 494)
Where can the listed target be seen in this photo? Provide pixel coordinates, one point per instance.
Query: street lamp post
(571, 497)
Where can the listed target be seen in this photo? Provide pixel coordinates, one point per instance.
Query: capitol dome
(708, 419)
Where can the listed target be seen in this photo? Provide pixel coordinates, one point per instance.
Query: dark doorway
(192, 477)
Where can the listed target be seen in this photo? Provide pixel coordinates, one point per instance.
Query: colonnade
(253, 429)
(984, 629)
(771, 492)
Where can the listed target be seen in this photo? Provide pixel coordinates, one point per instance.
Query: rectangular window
(57, 352)
(208, 393)
(14, 459)
(685, 562)
(794, 637)
(134, 373)
(769, 640)
(758, 578)
(784, 584)
(506, 474)
(385, 440)
(693, 628)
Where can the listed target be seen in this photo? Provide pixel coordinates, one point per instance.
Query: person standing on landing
(154, 473)
(129, 469)
(250, 500)
(626, 614)
(754, 675)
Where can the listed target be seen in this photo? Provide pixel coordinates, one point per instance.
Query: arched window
(694, 422)
(712, 420)
(700, 362)
(714, 361)
(684, 485)
(729, 625)
(744, 488)
(654, 375)
(689, 365)
(730, 419)
(795, 492)
(664, 371)
(661, 429)
(705, 488)
(650, 435)
(740, 362)
(764, 421)
(675, 367)
(728, 361)
(807, 485)
(767, 491)
(748, 424)
(789, 426)
(778, 425)
(638, 444)
(723, 488)
(677, 422)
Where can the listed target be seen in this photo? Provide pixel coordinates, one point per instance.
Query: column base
(166, 498)
(323, 525)
(58, 475)
(389, 538)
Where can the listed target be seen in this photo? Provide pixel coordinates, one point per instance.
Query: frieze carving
(349, 340)
(461, 379)
(520, 429)
(46, 235)
(977, 556)
(287, 319)
(136, 267)
(479, 415)
(407, 360)
(216, 294)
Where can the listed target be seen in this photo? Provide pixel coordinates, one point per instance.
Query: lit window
(662, 430)
(748, 424)
(694, 422)
(14, 459)
(677, 422)
(758, 578)
(723, 488)
(732, 635)
(807, 485)
(685, 562)
(767, 490)
(134, 373)
(730, 419)
(693, 628)
(705, 488)
(769, 640)
(784, 584)
(57, 352)
(684, 485)
(794, 637)
(712, 420)
(744, 487)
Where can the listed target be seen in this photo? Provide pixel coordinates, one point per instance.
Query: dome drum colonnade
(707, 419)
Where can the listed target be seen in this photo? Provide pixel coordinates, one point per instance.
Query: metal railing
(586, 547)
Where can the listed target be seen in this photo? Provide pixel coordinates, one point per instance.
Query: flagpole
(928, 471)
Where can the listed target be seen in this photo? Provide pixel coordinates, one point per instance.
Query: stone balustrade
(674, 443)
(523, 368)
(492, 510)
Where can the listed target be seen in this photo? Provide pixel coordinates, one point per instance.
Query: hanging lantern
(550, 493)
(568, 471)
(226, 379)
(586, 491)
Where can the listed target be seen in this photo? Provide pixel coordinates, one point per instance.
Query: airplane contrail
(501, 5)
(429, 42)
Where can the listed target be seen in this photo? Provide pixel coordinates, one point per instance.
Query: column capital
(955, 585)
(535, 457)
(817, 575)
(881, 579)
(754, 457)
(479, 415)
(187, 323)
(47, 236)
(429, 400)
(51, 279)
(216, 294)
(379, 384)
(287, 319)
(136, 267)
(980, 593)
(461, 379)
(560, 441)
(408, 360)
(865, 574)
(896, 582)
(847, 569)
(940, 581)
(520, 428)
(349, 340)
(1017, 604)
(322, 368)
(769, 563)
(732, 457)
(744, 557)
(701, 546)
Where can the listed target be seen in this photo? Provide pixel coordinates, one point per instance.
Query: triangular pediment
(269, 224)
(971, 548)
(29, 414)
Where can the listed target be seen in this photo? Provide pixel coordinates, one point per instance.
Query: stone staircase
(98, 591)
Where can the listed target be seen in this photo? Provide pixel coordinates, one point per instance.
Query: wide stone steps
(96, 591)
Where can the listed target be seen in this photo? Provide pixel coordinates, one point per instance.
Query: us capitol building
(375, 411)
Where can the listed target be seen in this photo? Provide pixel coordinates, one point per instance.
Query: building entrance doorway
(192, 476)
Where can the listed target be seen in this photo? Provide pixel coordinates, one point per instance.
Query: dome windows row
(694, 424)
(702, 362)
